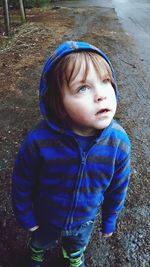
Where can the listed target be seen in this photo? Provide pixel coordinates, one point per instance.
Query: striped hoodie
(55, 182)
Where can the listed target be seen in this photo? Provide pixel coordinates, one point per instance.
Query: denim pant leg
(77, 239)
(45, 238)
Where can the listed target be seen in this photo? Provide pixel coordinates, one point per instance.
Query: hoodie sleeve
(115, 194)
(23, 182)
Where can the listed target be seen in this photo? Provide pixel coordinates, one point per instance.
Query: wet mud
(21, 62)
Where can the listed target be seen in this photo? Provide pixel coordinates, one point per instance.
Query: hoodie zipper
(84, 155)
(76, 191)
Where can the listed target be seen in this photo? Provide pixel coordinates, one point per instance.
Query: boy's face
(91, 104)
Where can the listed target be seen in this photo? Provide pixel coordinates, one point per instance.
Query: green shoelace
(74, 262)
(37, 254)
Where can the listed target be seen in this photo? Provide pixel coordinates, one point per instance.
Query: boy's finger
(107, 235)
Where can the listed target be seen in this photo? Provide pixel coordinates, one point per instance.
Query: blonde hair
(65, 71)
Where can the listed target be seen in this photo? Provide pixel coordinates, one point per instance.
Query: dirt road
(20, 67)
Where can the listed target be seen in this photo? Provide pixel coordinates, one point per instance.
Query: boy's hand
(34, 228)
(107, 235)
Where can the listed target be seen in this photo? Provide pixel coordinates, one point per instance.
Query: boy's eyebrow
(82, 81)
(78, 81)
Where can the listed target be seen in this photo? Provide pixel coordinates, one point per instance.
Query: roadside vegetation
(13, 13)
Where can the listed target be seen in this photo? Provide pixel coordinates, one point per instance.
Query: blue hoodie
(55, 182)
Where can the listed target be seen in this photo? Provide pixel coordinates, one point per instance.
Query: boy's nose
(99, 98)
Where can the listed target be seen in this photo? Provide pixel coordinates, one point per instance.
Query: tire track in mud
(84, 19)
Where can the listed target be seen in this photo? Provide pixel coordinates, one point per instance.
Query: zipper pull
(83, 157)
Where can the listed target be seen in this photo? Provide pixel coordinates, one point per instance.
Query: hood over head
(63, 50)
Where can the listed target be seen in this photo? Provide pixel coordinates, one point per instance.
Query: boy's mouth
(102, 111)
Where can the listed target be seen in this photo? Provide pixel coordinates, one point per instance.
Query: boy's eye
(107, 80)
(83, 88)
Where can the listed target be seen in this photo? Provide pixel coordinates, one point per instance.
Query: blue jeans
(74, 240)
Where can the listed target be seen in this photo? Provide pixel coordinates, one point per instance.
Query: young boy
(76, 159)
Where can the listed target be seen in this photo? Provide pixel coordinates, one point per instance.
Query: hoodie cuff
(27, 223)
(108, 227)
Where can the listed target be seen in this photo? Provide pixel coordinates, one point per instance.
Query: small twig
(132, 65)
(141, 141)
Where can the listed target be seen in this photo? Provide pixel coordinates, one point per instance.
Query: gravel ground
(20, 67)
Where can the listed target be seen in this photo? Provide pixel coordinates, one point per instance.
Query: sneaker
(33, 263)
(74, 261)
(36, 257)
(78, 262)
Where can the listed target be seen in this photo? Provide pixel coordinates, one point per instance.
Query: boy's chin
(103, 125)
